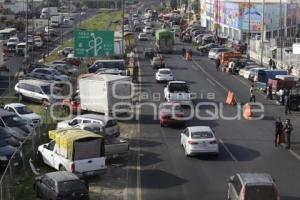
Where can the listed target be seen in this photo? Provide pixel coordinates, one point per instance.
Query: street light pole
(48, 32)
(281, 34)
(249, 28)
(262, 34)
(123, 17)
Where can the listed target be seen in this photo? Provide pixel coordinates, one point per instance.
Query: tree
(173, 4)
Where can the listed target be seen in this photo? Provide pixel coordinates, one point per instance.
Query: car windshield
(13, 121)
(46, 89)
(165, 72)
(71, 186)
(201, 135)
(178, 87)
(261, 192)
(23, 110)
(12, 40)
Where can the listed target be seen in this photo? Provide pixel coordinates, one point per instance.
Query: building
(17, 6)
(234, 19)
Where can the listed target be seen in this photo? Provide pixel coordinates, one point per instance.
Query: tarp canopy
(65, 139)
(164, 33)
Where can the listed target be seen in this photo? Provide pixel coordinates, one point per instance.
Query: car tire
(186, 153)
(45, 102)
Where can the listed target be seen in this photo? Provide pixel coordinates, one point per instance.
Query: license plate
(115, 155)
(89, 173)
(204, 144)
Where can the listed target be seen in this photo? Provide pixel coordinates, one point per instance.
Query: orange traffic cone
(247, 112)
(231, 100)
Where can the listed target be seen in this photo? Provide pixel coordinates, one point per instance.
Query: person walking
(287, 104)
(252, 93)
(287, 129)
(191, 54)
(270, 63)
(269, 92)
(183, 51)
(278, 131)
(218, 62)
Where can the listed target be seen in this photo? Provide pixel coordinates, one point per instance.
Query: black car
(6, 136)
(61, 185)
(149, 53)
(6, 152)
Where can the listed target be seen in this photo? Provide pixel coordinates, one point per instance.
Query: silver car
(258, 186)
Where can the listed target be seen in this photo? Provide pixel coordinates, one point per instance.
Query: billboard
(229, 14)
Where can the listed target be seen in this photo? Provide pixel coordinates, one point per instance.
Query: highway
(162, 171)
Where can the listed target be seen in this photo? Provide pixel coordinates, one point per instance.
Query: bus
(6, 33)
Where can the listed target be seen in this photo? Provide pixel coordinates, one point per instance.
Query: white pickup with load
(48, 12)
(56, 19)
(105, 93)
(74, 150)
(178, 92)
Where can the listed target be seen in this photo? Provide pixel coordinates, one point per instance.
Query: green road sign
(93, 43)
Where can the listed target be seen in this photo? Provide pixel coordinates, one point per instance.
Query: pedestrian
(287, 104)
(183, 51)
(290, 69)
(270, 63)
(218, 62)
(191, 54)
(252, 93)
(278, 131)
(287, 129)
(273, 65)
(269, 92)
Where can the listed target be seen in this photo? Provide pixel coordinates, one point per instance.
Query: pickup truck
(114, 146)
(177, 92)
(74, 150)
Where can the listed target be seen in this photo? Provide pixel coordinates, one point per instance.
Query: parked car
(149, 53)
(61, 185)
(38, 42)
(258, 186)
(6, 152)
(198, 140)
(24, 112)
(12, 43)
(110, 123)
(36, 90)
(206, 48)
(143, 36)
(18, 127)
(247, 68)
(171, 114)
(21, 48)
(47, 74)
(7, 137)
(250, 74)
(66, 69)
(157, 62)
(148, 30)
(214, 53)
(163, 75)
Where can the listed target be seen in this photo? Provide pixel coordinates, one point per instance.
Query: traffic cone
(247, 112)
(231, 100)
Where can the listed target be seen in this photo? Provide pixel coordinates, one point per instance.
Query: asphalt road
(14, 63)
(161, 169)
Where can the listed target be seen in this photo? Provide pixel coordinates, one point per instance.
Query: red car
(72, 105)
(171, 114)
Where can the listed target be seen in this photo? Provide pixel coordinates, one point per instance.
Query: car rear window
(71, 186)
(178, 87)
(164, 72)
(201, 135)
(262, 192)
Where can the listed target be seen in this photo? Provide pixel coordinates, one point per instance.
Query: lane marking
(294, 154)
(210, 76)
(228, 151)
(195, 68)
(211, 82)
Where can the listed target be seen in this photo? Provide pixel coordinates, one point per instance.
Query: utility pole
(26, 49)
(123, 17)
(48, 32)
(281, 35)
(262, 34)
(33, 31)
(249, 28)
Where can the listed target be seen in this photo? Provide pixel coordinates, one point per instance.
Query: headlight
(3, 158)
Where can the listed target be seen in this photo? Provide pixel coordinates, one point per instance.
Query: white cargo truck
(48, 12)
(106, 93)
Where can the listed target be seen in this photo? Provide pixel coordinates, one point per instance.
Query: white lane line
(210, 76)
(211, 82)
(195, 68)
(228, 151)
(294, 154)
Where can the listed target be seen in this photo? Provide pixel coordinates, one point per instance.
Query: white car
(214, 53)
(198, 140)
(38, 42)
(24, 112)
(249, 74)
(143, 36)
(148, 30)
(109, 123)
(178, 92)
(12, 43)
(164, 74)
(247, 68)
